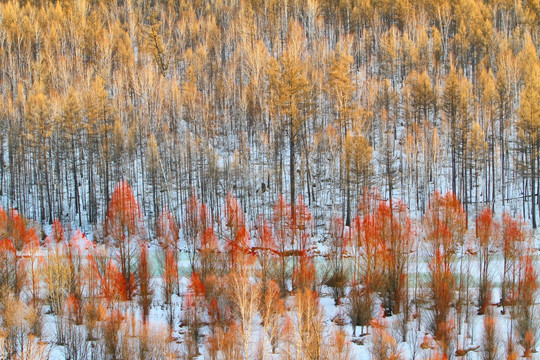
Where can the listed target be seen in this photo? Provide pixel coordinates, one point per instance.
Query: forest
(269, 179)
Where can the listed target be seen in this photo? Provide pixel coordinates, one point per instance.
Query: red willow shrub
(146, 291)
(487, 239)
(124, 227)
(524, 312)
(441, 294)
(513, 239)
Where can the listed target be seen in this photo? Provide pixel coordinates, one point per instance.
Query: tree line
(305, 97)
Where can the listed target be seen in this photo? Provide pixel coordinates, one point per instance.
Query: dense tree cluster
(316, 98)
(223, 155)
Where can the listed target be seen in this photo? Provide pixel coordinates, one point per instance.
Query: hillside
(269, 179)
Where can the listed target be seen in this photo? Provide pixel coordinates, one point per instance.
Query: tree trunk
(292, 164)
(533, 187)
